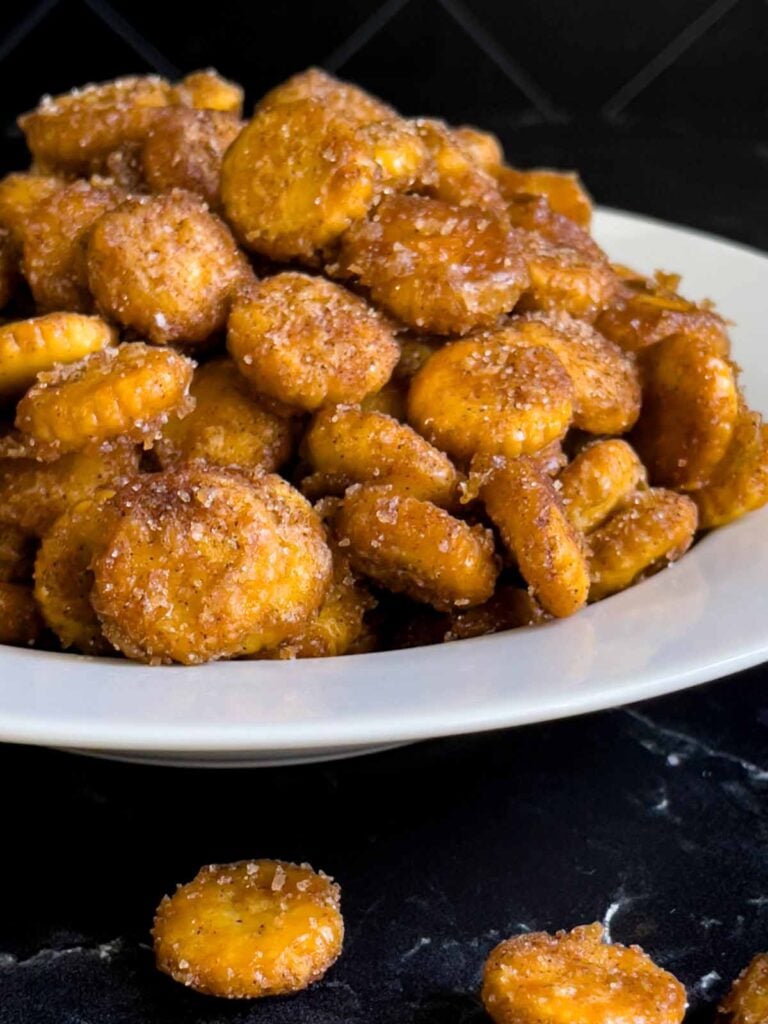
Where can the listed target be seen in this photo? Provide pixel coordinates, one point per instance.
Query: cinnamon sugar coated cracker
(484, 395)
(483, 148)
(55, 236)
(34, 494)
(326, 379)
(164, 266)
(68, 132)
(346, 445)
(415, 548)
(747, 1001)
(228, 425)
(250, 929)
(296, 177)
(434, 265)
(566, 279)
(184, 149)
(42, 343)
(308, 342)
(20, 193)
(63, 577)
(339, 625)
(121, 393)
(523, 503)
(601, 478)
(577, 976)
(202, 564)
(208, 90)
(653, 528)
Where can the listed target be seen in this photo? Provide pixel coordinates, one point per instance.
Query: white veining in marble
(345, 988)
(744, 796)
(418, 945)
(678, 747)
(620, 902)
(661, 806)
(608, 916)
(710, 922)
(104, 951)
(704, 985)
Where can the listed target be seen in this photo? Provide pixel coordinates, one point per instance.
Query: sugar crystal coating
(524, 505)
(203, 564)
(56, 234)
(598, 480)
(308, 342)
(165, 266)
(414, 547)
(436, 266)
(126, 393)
(747, 1001)
(38, 345)
(185, 148)
(250, 929)
(63, 577)
(483, 394)
(539, 978)
(346, 445)
(655, 527)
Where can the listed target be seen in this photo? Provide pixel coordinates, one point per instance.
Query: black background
(661, 105)
(445, 847)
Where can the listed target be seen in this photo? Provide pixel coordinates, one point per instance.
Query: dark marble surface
(650, 819)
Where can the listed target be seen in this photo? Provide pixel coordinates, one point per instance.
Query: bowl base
(234, 758)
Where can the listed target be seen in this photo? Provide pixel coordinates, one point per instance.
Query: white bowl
(705, 617)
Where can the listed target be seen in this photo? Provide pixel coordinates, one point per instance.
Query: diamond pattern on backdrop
(545, 63)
